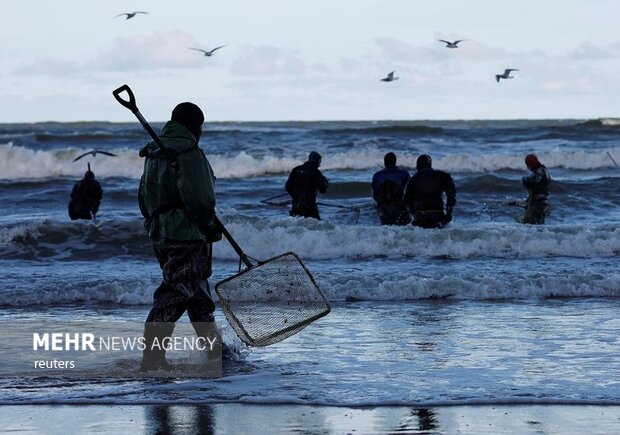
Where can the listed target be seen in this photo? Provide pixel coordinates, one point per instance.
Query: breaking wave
(601, 122)
(411, 284)
(317, 240)
(17, 162)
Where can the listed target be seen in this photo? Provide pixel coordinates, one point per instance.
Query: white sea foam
(610, 122)
(123, 292)
(412, 286)
(358, 262)
(396, 287)
(18, 162)
(323, 240)
(320, 240)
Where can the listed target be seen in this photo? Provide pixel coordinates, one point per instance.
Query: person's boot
(209, 331)
(154, 356)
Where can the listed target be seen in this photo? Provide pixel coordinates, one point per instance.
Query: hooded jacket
(303, 183)
(177, 204)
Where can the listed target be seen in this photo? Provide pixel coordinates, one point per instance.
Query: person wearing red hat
(537, 185)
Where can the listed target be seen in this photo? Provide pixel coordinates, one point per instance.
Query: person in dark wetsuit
(388, 187)
(537, 185)
(424, 195)
(303, 183)
(85, 197)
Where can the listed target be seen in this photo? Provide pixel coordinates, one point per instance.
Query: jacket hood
(175, 137)
(310, 165)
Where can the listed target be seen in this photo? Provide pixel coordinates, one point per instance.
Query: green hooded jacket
(177, 204)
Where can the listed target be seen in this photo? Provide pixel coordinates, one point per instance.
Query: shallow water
(484, 311)
(422, 353)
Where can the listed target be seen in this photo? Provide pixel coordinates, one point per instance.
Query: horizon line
(329, 120)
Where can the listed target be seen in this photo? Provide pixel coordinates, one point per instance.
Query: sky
(310, 60)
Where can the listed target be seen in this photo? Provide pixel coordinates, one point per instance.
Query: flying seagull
(390, 77)
(130, 14)
(207, 53)
(454, 44)
(94, 154)
(506, 74)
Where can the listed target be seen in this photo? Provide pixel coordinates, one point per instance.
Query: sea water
(486, 310)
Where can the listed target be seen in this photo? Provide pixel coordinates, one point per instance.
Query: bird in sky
(94, 154)
(454, 44)
(130, 14)
(505, 75)
(207, 53)
(390, 77)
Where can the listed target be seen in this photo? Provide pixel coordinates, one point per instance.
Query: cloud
(151, 51)
(396, 50)
(49, 67)
(588, 51)
(268, 61)
(470, 50)
(145, 52)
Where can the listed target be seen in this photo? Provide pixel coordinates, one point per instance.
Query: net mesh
(272, 301)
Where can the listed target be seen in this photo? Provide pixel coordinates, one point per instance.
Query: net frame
(280, 334)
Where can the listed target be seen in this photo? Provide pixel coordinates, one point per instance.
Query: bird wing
(140, 12)
(497, 77)
(94, 154)
(509, 70)
(82, 155)
(217, 48)
(390, 75)
(443, 40)
(459, 40)
(120, 15)
(105, 153)
(198, 49)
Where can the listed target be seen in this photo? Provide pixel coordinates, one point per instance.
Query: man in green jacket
(177, 199)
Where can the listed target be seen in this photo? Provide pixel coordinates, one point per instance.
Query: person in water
(178, 205)
(85, 197)
(388, 188)
(303, 184)
(424, 195)
(537, 185)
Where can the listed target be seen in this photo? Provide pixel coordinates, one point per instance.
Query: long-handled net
(265, 303)
(272, 301)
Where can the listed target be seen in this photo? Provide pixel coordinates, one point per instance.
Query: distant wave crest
(18, 162)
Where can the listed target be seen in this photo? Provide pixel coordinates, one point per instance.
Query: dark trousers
(184, 288)
(429, 219)
(535, 212)
(307, 210)
(393, 213)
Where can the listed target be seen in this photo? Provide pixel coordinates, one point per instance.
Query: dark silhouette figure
(85, 197)
(537, 185)
(424, 195)
(303, 183)
(178, 205)
(388, 187)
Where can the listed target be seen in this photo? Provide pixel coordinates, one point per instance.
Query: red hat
(532, 161)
